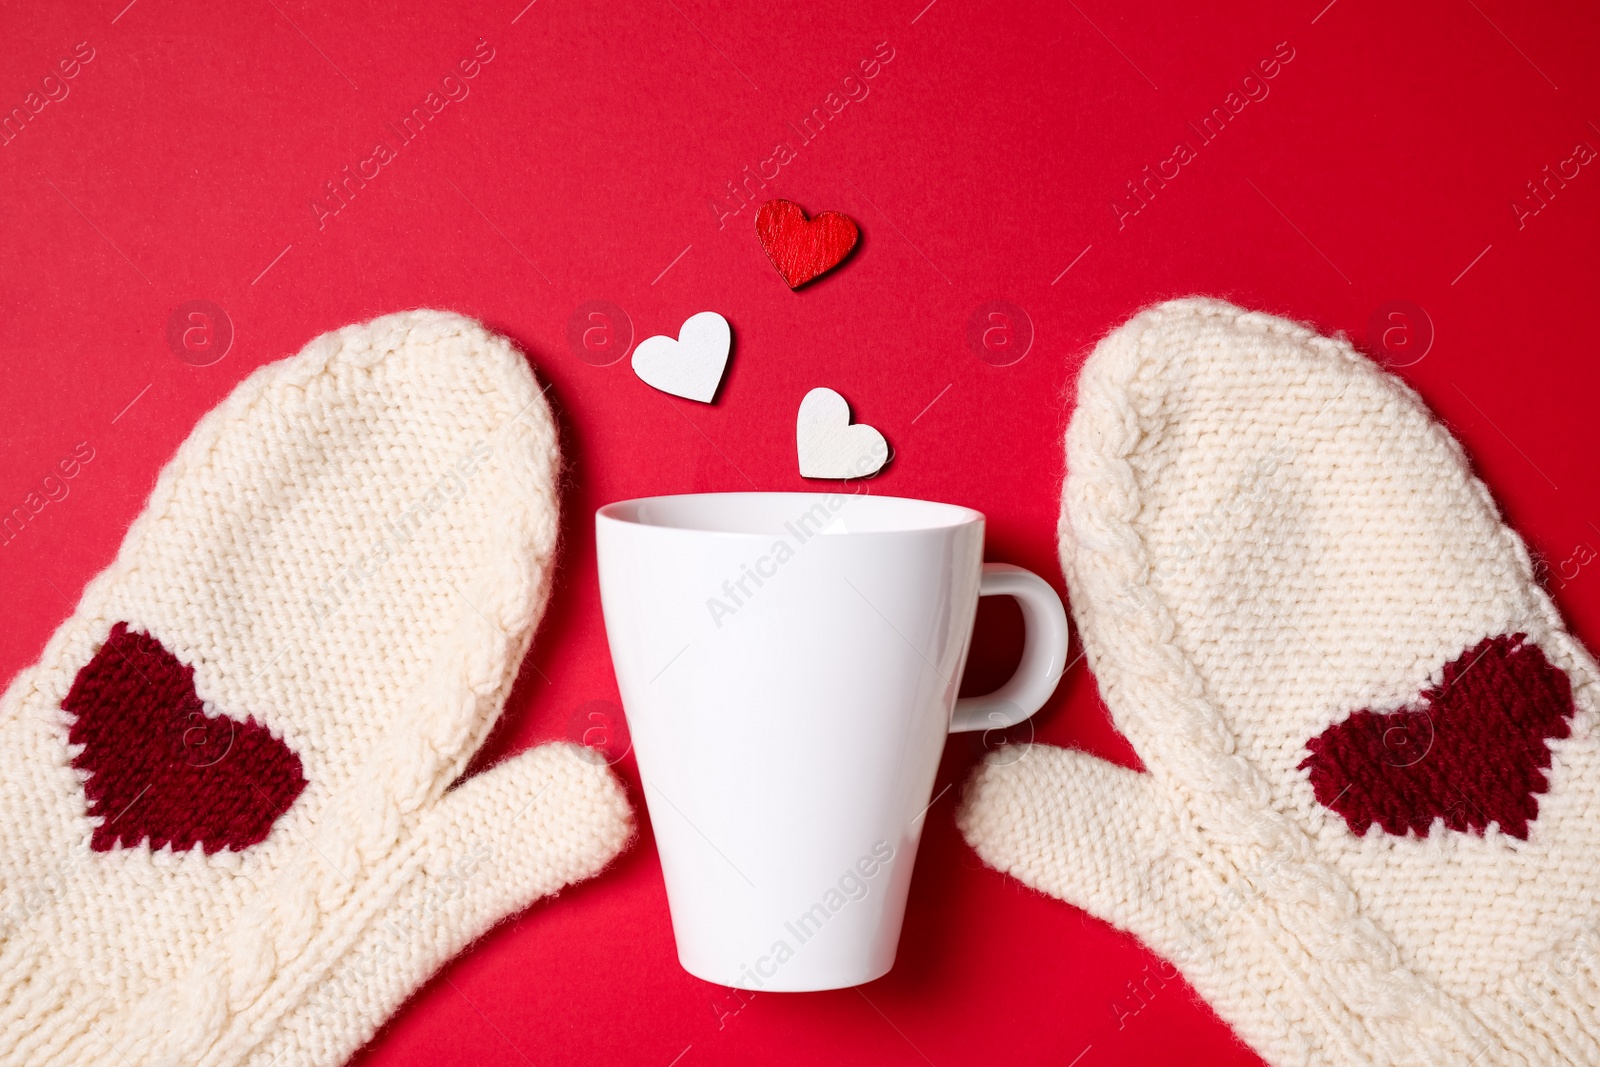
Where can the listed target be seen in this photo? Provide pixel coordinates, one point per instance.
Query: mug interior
(773, 513)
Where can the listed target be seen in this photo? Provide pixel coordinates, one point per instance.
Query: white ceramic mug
(789, 664)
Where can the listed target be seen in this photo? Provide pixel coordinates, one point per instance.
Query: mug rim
(924, 516)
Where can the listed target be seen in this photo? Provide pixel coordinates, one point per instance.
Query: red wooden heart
(1472, 752)
(803, 248)
(159, 767)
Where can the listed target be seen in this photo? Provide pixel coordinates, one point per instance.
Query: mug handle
(1044, 652)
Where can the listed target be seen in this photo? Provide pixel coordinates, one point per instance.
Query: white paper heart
(692, 365)
(830, 447)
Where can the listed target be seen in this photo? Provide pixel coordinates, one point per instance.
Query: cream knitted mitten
(226, 829)
(1370, 828)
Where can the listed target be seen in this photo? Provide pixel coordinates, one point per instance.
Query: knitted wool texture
(348, 557)
(1268, 542)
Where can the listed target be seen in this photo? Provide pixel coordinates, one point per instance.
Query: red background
(1382, 166)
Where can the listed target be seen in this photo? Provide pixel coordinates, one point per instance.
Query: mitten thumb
(1094, 834)
(488, 848)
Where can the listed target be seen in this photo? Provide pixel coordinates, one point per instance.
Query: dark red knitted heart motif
(1472, 752)
(803, 249)
(159, 766)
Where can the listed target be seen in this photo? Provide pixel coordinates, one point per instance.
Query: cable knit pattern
(1264, 535)
(352, 551)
